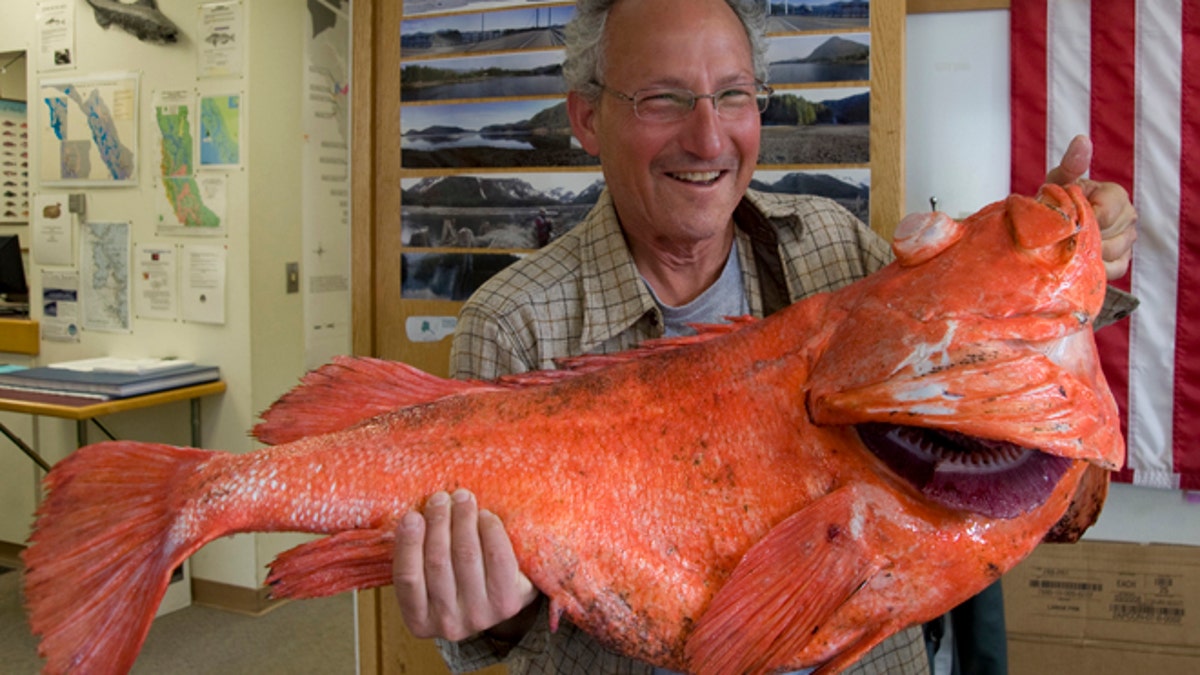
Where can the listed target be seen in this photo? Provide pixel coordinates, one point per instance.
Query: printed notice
(155, 285)
(220, 38)
(203, 280)
(60, 306)
(56, 34)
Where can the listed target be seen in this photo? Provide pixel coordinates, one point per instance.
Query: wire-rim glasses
(668, 104)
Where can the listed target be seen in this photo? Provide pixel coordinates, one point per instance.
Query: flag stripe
(1155, 274)
(1113, 57)
(1070, 75)
(1186, 436)
(1027, 43)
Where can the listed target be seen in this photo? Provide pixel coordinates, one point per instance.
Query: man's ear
(582, 113)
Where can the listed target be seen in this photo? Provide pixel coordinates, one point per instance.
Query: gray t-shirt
(725, 298)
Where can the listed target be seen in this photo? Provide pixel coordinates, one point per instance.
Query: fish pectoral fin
(785, 587)
(346, 561)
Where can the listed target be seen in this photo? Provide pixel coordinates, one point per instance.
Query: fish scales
(716, 504)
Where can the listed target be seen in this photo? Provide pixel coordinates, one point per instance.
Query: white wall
(260, 352)
(957, 146)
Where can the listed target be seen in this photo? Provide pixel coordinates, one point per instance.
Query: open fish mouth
(993, 478)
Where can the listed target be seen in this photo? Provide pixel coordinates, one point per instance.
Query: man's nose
(703, 132)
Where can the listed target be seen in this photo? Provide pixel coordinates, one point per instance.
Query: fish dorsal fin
(785, 587)
(587, 363)
(350, 389)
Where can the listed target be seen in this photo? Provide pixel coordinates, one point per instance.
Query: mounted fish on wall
(142, 18)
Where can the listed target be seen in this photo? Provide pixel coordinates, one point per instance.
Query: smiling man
(668, 94)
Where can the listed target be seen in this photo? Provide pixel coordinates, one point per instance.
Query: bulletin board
(462, 146)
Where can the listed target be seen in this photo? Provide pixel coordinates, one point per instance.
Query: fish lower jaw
(991, 478)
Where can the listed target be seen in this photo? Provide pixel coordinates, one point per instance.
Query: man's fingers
(467, 556)
(408, 572)
(509, 589)
(440, 582)
(1074, 163)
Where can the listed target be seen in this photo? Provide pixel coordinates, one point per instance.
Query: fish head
(970, 360)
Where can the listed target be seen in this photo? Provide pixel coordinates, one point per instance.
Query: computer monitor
(12, 270)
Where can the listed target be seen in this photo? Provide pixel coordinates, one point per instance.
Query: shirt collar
(614, 297)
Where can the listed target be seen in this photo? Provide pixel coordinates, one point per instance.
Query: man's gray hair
(584, 64)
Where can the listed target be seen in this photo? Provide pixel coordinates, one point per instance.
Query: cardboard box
(1104, 607)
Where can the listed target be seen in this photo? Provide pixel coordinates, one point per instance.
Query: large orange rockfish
(770, 494)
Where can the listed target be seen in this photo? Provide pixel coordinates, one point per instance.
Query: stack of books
(108, 378)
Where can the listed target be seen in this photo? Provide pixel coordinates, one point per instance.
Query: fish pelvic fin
(785, 587)
(348, 390)
(346, 561)
(94, 579)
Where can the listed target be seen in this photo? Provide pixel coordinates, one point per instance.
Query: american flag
(1127, 73)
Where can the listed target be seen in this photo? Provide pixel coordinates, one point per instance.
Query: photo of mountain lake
(536, 73)
(818, 15)
(528, 28)
(805, 59)
(494, 211)
(849, 187)
(448, 276)
(417, 7)
(500, 134)
(817, 126)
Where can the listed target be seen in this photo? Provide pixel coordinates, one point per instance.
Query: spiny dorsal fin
(351, 389)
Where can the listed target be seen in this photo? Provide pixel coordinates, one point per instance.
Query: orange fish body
(706, 504)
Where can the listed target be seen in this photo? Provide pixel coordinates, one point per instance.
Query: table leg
(195, 422)
(25, 448)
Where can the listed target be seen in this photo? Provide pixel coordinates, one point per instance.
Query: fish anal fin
(785, 587)
(348, 390)
(346, 561)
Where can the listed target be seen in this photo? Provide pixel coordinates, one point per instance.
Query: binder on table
(107, 383)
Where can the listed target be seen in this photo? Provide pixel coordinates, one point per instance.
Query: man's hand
(455, 572)
(1110, 201)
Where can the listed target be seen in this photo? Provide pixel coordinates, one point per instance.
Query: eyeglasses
(665, 104)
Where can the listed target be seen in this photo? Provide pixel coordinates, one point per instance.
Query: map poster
(185, 202)
(87, 131)
(104, 276)
(220, 131)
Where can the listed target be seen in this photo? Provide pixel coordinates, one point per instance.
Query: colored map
(220, 122)
(104, 276)
(181, 199)
(88, 131)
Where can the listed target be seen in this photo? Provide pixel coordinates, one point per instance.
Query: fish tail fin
(349, 560)
(102, 553)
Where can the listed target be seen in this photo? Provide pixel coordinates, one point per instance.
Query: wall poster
(14, 161)
(87, 130)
